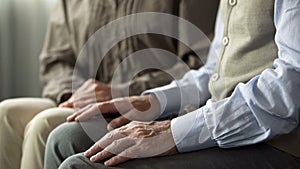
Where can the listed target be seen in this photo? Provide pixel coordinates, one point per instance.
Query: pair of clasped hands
(131, 135)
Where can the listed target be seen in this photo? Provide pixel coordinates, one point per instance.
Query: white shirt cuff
(190, 132)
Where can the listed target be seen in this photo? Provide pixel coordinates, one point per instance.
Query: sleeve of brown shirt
(57, 59)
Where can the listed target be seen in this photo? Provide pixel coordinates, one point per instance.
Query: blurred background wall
(22, 29)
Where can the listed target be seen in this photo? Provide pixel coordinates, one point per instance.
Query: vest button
(232, 2)
(225, 41)
(215, 77)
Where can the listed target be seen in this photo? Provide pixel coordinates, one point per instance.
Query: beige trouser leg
(14, 116)
(36, 133)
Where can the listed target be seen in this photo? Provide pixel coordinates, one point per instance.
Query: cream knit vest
(248, 48)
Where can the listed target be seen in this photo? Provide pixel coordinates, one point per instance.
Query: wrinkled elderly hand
(134, 140)
(91, 91)
(134, 108)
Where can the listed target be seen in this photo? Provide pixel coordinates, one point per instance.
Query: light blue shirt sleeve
(265, 107)
(192, 89)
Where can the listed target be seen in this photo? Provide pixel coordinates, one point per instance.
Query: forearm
(231, 123)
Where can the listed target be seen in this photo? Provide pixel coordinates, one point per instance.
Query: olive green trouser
(24, 127)
(69, 139)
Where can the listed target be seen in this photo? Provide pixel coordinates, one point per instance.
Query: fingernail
(107, 163)
(92, 159)
(109, 128)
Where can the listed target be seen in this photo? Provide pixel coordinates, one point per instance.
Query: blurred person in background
(26, 122)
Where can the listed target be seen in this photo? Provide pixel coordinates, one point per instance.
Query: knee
(79, 161)
(64, 138)
(6, 106)
(75, 137)
(7, 111)
(65, 132)
(64, 141)
(39, 126)
(43, 123)
(14, 111)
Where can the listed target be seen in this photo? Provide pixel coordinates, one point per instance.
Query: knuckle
(77, 113)
(120, 130)
(110, 135)
(114, 160)
(113, 135)
(95, 147)
(141, 131)
(136, 125)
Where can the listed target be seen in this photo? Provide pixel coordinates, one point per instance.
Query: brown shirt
(73, 21)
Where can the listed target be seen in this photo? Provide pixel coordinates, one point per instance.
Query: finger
(103, 142)
(90, 98)
(122, 105)
(74, 115)
(100, 108)
(66, 104)
(95, 97)
(101, 156)
(117, 122)
(93, 150)
(87, 113)
(111, 106)
(124, 156)
(62, 104)
(132, 115)
(116, 147)
(108, 107)
(84, 102)
(116, 160)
